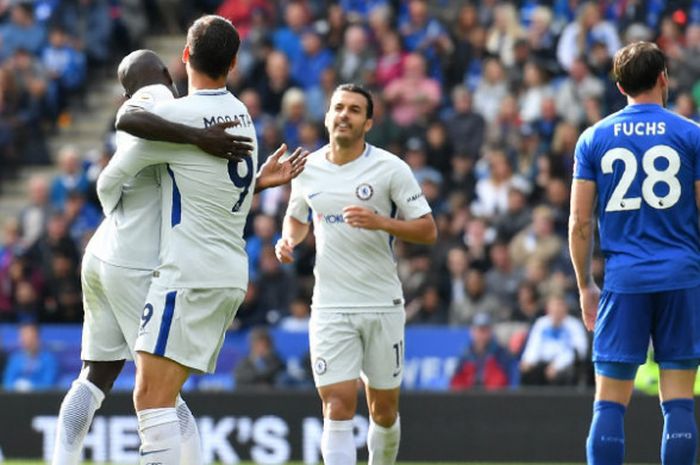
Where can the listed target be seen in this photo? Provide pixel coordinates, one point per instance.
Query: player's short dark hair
(358, 89)
(637, 67)
(213, 44)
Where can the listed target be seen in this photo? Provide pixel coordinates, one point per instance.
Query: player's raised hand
(216, 141)
(284, 250)
(589, 297)
(361, 217)
(275, 172)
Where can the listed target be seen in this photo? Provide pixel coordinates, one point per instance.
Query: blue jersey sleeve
(697, 156)
(583, 165)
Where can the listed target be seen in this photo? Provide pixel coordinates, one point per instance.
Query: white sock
(338, 443)
(74, 420)
(383, 443)
(190, 447)
(159, 429)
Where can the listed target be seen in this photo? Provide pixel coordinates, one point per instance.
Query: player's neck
(646, 98)
(341, 155)
(199, 81)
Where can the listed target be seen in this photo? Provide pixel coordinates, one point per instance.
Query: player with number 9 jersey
(644, 160)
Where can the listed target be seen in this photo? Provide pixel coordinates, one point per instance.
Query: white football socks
(338, 443)
(383, 443)
(190, 447)
(159, 429)
(74, 420)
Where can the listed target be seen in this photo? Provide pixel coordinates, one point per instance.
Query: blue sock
(679, 443)
(606, 439)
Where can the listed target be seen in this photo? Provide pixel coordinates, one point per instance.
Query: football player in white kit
(120, 258)
(203, 271)
(352, 192)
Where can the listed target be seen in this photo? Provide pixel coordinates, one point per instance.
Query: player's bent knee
(102, 374)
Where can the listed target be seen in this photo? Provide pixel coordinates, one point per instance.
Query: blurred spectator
(528, 308)
(578, 37)
(264, 234)
(262, 367)
(22, 31)
(490, 90)
(517, 216)
(465, 127)
(556, 343)
(34, 216)
(66, 68)
(10, 248)
(71, 177)
(356, 61)
(242, 12)
(484, 364)
(536, 88)
(427, 308)
(314, 59)
(476, 300)
(414, 96)
(425, 35)
(538, 241)
(287, 39)
(298, 319)
(575, 89)
(83, 218)
(391, 60)
(540, 35)
(30, 367)
(503, 33)
(492, 191)
(277, 287)
(276, 82)
(503, 278)
(292, 116)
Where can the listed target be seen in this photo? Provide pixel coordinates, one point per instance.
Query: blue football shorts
(627, 322)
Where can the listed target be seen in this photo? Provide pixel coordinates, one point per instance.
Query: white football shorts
(187, 325)
(346, 346)
(113, 298)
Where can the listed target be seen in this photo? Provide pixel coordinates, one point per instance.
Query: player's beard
(349, 137)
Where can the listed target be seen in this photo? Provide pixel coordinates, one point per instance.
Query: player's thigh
(188, 325)
(383, 337)
(613, 389)
(335, 347)
(622, 328)
(677, 384)
(103, 338)
(126, 290)
(676, 329)
(158, 381)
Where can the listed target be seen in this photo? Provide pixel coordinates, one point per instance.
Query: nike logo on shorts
(149, 452)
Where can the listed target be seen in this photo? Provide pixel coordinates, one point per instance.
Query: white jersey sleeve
(129, 236)
(406, 193)
(297, 207)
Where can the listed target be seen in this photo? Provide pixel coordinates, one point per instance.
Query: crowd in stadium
(484, 100)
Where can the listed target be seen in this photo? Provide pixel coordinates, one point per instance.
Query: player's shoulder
(151, 94)
(384, 157)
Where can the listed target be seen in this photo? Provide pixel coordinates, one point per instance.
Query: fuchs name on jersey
(640, 128)
(242, 120)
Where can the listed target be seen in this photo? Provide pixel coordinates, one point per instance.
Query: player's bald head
(142, 68)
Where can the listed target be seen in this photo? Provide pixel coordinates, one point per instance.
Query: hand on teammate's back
(216, 141)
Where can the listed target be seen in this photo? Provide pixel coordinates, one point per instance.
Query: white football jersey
(205, 199)
(130, 234)
(355, 268)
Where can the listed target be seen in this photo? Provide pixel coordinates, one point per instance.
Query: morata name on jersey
(242, 120)
(640, 128)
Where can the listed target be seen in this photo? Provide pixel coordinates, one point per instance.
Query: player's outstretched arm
(276, 173)
(419, 231)
(581, 230)
(293, 232)
(213, 139)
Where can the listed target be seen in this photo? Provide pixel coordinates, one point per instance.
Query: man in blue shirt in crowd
(641, 165)
(30, 367)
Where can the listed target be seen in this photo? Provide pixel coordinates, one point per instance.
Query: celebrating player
(120, 259)
(352, 191)
(642, 166)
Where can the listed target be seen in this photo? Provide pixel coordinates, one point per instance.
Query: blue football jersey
(644, 161)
